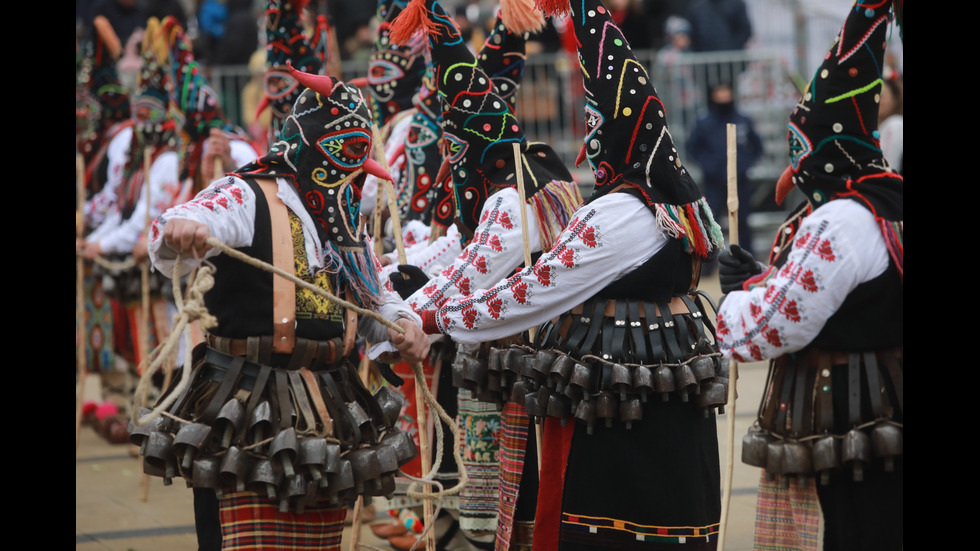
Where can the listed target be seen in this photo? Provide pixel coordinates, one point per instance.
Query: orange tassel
(521, 16)
(555, 7)
(415, 16)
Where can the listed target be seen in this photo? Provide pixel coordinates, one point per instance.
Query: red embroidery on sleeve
(493, 306)
(807, 281)
(588, 236)
(543, 273)
(469, 316)
(520, 291)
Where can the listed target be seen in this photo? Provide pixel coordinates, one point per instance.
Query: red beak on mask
(374, 168)
(784, 185)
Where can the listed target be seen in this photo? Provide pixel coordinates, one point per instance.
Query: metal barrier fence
(550, 101)
(550, 104)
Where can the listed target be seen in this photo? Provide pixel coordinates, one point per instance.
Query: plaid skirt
(252, 522)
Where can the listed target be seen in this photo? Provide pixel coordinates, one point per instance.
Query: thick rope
(111, 265)
(201, 281)
(194, 309)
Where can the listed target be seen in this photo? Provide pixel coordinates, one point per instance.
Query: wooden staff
(733, 374)
(428, 511)
(519, 173)
(81, 358)
(144, 340)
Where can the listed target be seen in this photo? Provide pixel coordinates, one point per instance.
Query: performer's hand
(408, 280)
(735, 266)
(413, 345)
(187, 237)
(92, 250)
(217, 146)
(140, 252)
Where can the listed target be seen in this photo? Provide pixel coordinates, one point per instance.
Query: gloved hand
(410, 279)
(735, 266)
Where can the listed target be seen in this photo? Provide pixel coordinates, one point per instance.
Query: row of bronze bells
(822, 456)
(295, 469)
(552, 384)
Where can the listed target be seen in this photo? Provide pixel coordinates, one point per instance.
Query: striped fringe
(894, 234)
(354, 269)
(694, 223)
(480, 424)
(554, 205)
(514, 425)
(786, 519)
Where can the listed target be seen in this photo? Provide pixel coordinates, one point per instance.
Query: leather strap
(283, 404)
(347, 423)
(306, 420)
(350, 329)
(789, 370)
(321, 407)
(261, 380)
(874, 383)
(822, 388)
(854, 388)
(654, 336)
(619, 344)
(799, 407)
(639, 342)
(579, 328)
(594, 329)
(669, 331)
(283, 290)
(892, 361)
(697, 318)
(226, 388)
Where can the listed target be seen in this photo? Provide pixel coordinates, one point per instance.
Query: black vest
(241, 299)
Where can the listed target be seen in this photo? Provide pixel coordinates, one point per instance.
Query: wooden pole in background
(81, 353)
(522, 194)
(733, 374)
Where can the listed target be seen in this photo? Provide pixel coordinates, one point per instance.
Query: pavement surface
(116, 509)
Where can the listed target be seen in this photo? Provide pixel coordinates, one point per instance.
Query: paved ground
(115, 511)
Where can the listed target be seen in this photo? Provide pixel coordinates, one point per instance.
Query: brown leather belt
(677, 306)
(306, 353)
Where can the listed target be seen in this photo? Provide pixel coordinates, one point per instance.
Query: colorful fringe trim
(694, 223)
(786, 519)
(480, 424)
(554, 205)
(354, 269)
(513, 446)
(894, 234)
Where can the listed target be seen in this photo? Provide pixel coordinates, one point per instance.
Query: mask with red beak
(324, 149)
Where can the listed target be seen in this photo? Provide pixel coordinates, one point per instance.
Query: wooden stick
(392, 200)
(355, 525)
(82, 353)
(522, 194)
(428, 510)
(733, 374)
(144, 339)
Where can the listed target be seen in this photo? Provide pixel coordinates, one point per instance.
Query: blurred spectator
(241, 34)
(353, 22)
(719, 26)
(211, 18)
(126, 16)
(677, 77)
(891, 125)
(707, 144)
